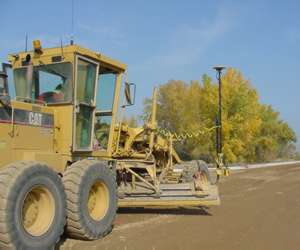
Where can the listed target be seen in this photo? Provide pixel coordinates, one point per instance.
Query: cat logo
(35, 119)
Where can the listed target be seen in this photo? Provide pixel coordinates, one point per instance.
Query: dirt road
(260, 210)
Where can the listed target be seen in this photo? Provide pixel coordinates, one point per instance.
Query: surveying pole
(220, 159)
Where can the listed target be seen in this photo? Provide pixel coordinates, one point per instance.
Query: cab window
(86, 75)
(85, 93)
(105, 91)
(49, 83)
(105, 99)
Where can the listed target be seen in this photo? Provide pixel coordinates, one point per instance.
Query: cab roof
(65, 52)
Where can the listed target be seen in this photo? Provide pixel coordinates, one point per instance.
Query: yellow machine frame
(67, 163)
(54, 145)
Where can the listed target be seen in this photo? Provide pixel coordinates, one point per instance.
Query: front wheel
(33, 206)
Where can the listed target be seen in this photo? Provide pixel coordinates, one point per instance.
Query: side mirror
(6, 66)
(3, 79)
(5, 100)
(4, 95)
(130, 89)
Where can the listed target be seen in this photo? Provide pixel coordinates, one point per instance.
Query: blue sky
(170, 39)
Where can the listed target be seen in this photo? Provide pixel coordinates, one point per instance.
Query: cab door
(84, 113)
(106, 99)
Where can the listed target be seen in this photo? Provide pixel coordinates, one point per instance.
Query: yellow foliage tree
(248, 126)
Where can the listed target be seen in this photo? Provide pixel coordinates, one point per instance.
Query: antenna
(26, 42)
(72, 24)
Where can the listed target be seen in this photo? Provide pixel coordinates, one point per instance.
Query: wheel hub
(98, 201)
(30, 210)
(38, 211)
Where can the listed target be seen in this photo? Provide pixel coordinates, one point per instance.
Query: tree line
(252, 131)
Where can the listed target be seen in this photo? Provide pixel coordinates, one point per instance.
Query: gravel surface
(260, 210)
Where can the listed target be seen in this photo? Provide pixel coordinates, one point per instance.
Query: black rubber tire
(16, 180)
(78, 180)
(192, 167)
(203, 167)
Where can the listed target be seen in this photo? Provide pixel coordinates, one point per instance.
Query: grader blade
(173, 195)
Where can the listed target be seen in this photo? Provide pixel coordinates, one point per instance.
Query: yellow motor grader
(67, 161)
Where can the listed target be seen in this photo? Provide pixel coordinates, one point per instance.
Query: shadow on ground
(169, 211)
(152, 211)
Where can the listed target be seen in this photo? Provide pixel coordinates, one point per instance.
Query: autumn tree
(251, 131)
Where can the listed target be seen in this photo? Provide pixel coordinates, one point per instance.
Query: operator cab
(71, 76)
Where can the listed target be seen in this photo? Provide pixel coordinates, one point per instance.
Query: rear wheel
(197, 171)
(33, 206)
(91, 199)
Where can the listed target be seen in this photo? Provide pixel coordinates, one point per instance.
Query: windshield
(48, 84)
(105, 91)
